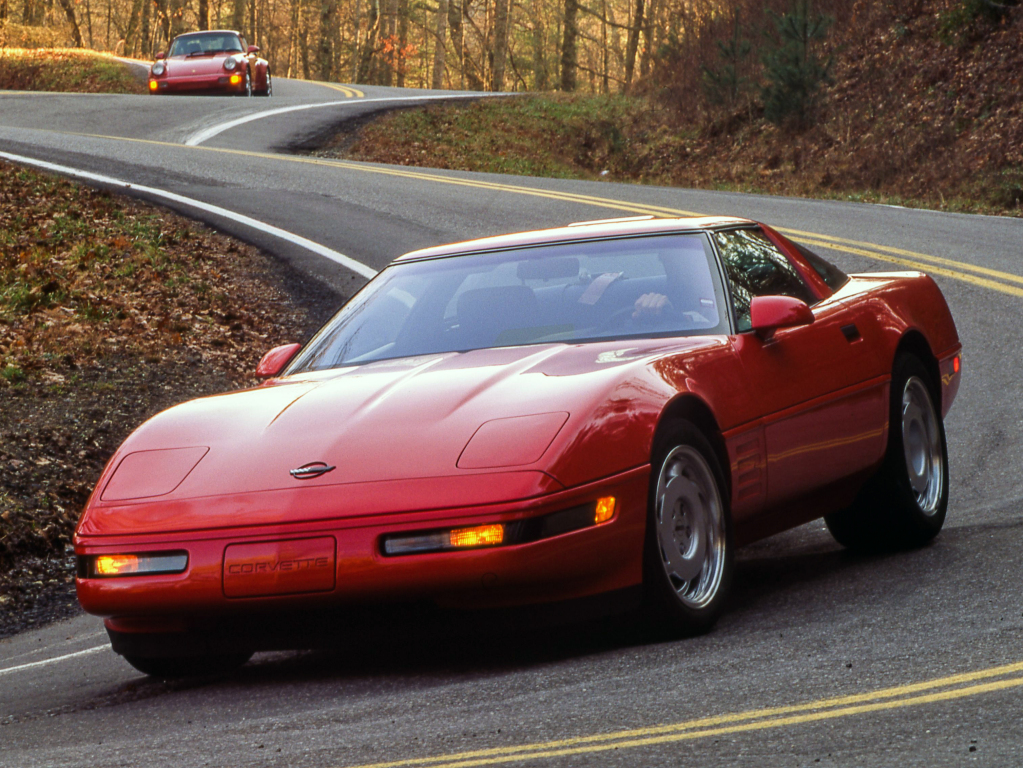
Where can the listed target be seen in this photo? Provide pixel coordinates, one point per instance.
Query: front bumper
(589, 561)
(220, 83)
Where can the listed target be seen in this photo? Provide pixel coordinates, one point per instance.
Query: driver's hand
(650, 305)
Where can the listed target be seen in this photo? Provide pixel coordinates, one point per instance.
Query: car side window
(755, 267)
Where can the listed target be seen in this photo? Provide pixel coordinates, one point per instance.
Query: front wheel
(247, 89)
(904, 504)
(269, 91)
(688, 558)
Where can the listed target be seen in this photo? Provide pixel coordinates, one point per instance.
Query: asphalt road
(824, 658)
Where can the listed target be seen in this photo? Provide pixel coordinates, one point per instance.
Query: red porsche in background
(218, 61)
(599, 410)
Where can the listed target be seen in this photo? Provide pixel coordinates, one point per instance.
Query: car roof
(210, 32)
(587, 230)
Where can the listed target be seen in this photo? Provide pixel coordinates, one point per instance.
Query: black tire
(903, 505)
(688, 555)
(269, 91)
(188, 666)
(247, 91)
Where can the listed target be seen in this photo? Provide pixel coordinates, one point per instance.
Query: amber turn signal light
(605, 510)
(479, 536)
(116, 565)
(107, 566)
(153, 85)
(236, 79)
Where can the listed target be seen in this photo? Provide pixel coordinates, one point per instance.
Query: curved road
(824, 658)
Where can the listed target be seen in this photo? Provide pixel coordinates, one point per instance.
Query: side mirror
(253, 49)
(273, 362)
(768, 313)
(161, 55)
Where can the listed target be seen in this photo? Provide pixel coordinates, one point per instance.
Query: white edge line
(355, 266)
(208, 133)
(54, 659)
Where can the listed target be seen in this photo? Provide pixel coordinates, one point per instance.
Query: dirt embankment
(914, 114)
(110, 311)
(70, 70)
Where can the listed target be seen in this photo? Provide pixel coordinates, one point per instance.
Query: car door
(822, 402)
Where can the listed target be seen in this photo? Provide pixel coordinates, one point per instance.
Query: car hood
(411, 418)
(184, 66)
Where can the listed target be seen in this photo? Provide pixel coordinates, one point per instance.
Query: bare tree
(500, 46)
(69, 12)
(440, 49)
(569, 45)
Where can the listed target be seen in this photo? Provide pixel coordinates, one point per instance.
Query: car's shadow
(790, 579)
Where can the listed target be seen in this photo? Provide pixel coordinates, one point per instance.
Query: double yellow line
(983, 277)
(943, 689)
(351, 93)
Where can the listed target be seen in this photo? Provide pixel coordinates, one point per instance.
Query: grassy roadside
(613, 138)
(110, 311)
(907, 117)
(65, 69)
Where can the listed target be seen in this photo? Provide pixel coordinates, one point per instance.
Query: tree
(440, 46)
(499, 51)
(726, 84)
(69, 12)
(632, 43)
(569, 46)
(793, 69)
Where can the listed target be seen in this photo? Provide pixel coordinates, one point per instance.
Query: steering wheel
(625, 316)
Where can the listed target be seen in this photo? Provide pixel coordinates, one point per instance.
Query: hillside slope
(919, 111)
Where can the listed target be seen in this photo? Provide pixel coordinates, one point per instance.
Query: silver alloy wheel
(690, 524)
(921, 444)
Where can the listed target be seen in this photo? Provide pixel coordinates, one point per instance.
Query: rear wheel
(904, 504)
(188, 666)
(688, 556)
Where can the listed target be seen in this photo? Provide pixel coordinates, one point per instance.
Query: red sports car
(606, 409)
(211, 62)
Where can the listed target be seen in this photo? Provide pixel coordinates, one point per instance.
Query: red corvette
(605, 409)
(219, 61)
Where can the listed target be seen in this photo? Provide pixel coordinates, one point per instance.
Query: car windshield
(197, 45)
(664, 285)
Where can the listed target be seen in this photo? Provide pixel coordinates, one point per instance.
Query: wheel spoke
(688, 519)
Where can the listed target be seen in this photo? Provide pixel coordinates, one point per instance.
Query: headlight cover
(146, 474)
(230, 64)
(159, 69)
(511, 442)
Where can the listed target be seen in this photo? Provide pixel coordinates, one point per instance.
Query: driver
(656, 305)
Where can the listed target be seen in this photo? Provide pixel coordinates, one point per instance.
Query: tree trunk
(69, 11)
(204, 14)
(570, 45)
(388, 24)
(401, 44)
(648, 38)
(440, 50)
(632, 43)
(177, 18)
(369, 45)
(144, 36)
(325, 51)
(501, 14)
(238, 16)
(457, 36)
